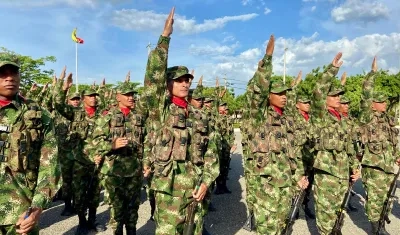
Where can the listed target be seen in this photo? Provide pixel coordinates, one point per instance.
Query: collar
(125, 110)
(180, 102)
(305, 115)
(90, 110)
(278, 110)
(335, 113)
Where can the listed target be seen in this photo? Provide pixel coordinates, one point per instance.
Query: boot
(375, 225)
(226, 190)
(211, 207)
(205, 232)
(68, 209)
(83, 224)
(219, 189)
(130, 231)
(249, 225)
(120, 229)
(92, 225)
(153, 207)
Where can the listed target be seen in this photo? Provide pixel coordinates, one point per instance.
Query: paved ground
(230, 214)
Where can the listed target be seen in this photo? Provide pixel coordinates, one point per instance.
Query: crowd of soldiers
(181, 142)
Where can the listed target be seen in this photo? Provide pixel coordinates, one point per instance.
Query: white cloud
(245, 2)
(228, 39)
(70, 3)
(216, 50)
(313, 8)
(305, 54)
(267, 11)
(132, 19)
(360, 10)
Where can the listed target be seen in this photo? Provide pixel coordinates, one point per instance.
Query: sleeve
(49, 172)
(259, 86)
(211, 162)
(155, 81)
(366, 97)
(321, 90)
(64, 109)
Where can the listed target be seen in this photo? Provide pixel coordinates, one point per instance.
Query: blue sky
(213, 37)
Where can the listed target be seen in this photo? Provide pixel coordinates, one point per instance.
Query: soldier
(333, 147)
(380, 138)
(353, 129)
(86, 183)
(226, 131)
(303, 147)
(28, 162)
(66, 160)
(272, 150)
(118, 142)
(175, 150)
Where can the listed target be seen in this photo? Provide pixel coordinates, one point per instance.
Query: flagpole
(76, 66)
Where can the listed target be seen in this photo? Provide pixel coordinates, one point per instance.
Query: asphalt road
(230, 215)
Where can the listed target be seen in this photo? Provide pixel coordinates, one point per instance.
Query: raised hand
(297, 80)
(336, 61)
(374, 66)
(34, 87)
(67, 83)
(62, 75)
(343, 79)
(128, 76)
(103, 83)
(169, 23)
(270, 46)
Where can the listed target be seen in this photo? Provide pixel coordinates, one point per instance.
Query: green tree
(32, 70)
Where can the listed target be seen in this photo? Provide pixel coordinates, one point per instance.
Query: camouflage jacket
(303, 145)
(225, 128)
(80, 129)
(272, 142)
(126, 161)
(176, 143)
(334, 148)
(29, 170)
(378, 132)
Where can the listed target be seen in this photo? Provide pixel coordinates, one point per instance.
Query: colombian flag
(75, 38)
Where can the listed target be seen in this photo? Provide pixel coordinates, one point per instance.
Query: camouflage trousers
(271, 206)
(10, 230)
(329, 193)
(123, 199)
(67, 166)
(86, 186)
(171, 212)
(224, 162)
(376, 183)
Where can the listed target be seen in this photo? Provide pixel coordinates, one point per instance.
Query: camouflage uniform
(272, 149)
(122, 168)
(66, 160)
(86, 183)
(175, 147)
(379, 136)
(28, 164)
(225, 128)
(333, 147)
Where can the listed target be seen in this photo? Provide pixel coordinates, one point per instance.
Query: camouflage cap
(125, 88)
(8, 59)
(278, 87)
(74, 95)
(177, 72)
(335, 91)
(195, 94)
(344, 100)
(379, 97)
(206, 100)
(89, 91)
(223, 104)
(303, 99)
